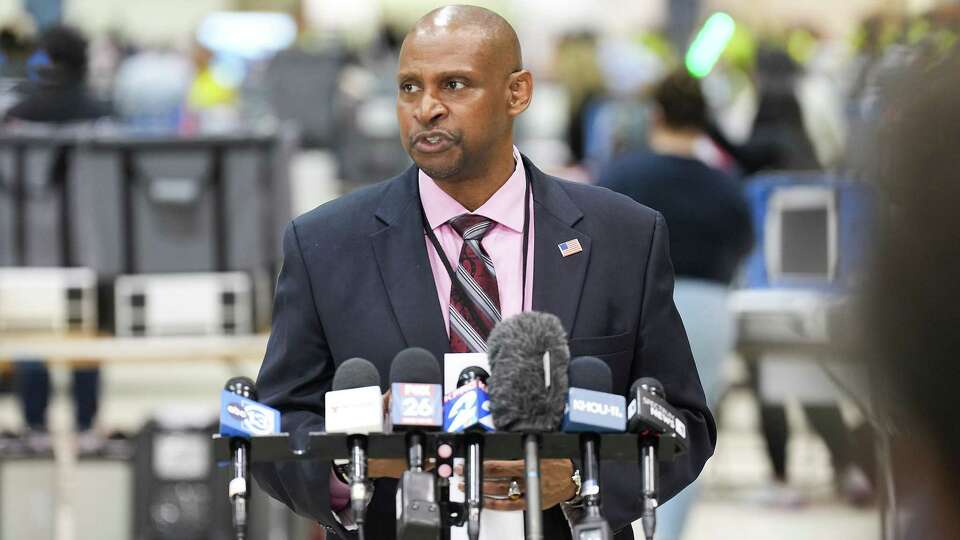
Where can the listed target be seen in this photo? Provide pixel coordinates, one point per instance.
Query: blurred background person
(213, 100)
(710, 235)
(60, 95)
(778, 139)
(779, 142)
(577, 68)
(150, 89)
(14, 50)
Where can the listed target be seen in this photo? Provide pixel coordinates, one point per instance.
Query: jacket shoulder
(605, 205)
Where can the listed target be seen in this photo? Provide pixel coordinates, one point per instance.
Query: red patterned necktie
(475, 304)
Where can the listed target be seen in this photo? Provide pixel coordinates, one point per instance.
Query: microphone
(416, 399)
(528, 385)
(240, 418)
(467, 410)
(355, 407)
(592, 409)
(660, 428)
(415, 406)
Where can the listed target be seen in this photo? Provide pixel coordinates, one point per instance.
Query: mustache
(448, 135)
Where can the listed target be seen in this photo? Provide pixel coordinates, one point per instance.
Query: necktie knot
(471, 226)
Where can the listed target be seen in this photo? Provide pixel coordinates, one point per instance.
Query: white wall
(837, 18)
(173, 21)
(10, 11)
(146, 21)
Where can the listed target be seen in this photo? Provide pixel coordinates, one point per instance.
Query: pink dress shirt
(504, 242)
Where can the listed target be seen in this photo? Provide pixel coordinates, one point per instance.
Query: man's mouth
(433, 142)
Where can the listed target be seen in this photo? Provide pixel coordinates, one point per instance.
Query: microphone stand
(240, 487)
(533, 517)
(592, 525)
(591, 470)
(474, 485)
(358, 479)
(650, 470)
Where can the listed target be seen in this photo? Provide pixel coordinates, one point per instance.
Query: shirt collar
(504, 207)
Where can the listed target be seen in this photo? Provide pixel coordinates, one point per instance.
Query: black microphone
(355, 406)
(528, 386)
(660, 429)
(416, 406)
(592, 409)
(240, 450)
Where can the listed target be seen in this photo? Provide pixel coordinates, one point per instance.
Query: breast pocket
(616, 351)
(599, 346)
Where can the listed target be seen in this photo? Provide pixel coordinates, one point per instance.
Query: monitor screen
(805, 242)
(799, 231)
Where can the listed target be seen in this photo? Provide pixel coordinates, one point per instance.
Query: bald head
(495, 32)
(460, 85)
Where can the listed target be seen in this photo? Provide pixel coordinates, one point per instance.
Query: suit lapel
(557, 280)
(402, 256)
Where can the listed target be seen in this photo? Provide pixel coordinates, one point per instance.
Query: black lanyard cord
(454, 282)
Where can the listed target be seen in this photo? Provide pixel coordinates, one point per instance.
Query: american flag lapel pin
(570, 247)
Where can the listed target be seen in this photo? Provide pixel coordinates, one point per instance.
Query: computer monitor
(801, 234)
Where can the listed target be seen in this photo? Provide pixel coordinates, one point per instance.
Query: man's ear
(520, 92)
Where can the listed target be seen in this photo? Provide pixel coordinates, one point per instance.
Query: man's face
(452, 102)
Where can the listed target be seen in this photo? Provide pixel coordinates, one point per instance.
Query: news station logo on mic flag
(467, 406)
(590, 411)
(419, 405)
(242, 417)
(657, 414)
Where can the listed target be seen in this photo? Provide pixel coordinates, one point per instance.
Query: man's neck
(674, 142)
(473, 191)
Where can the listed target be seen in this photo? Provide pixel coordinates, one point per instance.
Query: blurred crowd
(767, 90)
(631, 113)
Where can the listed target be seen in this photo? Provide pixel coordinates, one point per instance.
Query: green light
(709, 44)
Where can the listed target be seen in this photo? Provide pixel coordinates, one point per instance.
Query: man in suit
(435, 256)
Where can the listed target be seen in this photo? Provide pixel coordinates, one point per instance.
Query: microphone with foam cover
(355, 373)
(529, 358)
(415, 365)
(590, 406)
(592, 409)
(355, 407)
(416, 401)
(416, 406)
(524, 395)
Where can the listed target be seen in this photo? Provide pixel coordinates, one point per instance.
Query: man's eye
(408, 88)
(456, 85)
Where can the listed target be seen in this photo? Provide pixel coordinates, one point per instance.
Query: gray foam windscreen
(519, 395)
(591, 373)
(355, 373)
(415, 365)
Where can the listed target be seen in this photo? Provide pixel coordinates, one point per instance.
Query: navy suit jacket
(356, 282)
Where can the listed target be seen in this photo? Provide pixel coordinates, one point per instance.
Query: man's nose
(431, 110)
